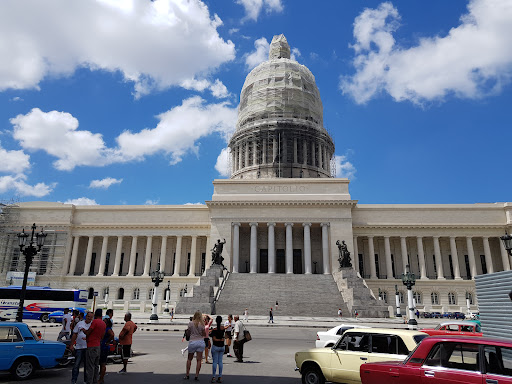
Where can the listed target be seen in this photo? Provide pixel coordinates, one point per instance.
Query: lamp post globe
(157, 276)
(409, 280)
(29, 251)
(507, 243)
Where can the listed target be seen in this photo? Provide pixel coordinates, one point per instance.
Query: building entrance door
(280, 261)
(297, 261)
(263, 261)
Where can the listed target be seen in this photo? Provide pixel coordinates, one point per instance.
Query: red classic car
(447, 359)
(454, 328)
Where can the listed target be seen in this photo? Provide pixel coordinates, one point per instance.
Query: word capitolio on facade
(280, 188)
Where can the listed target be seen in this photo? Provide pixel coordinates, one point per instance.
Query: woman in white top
(196, 343)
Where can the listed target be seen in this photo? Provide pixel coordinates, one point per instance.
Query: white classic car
(330, 337)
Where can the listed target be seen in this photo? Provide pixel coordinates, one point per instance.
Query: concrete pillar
(389, 264)
(233, 161)
(177, 264)
(253, 261)
(264, 152)
(313, 157)
(325, 248)
(208, 261)
(356, 255)
(240, 154)
(327, 163)
(117, 262)
(487, 253)
(274, 149)
(67, 257)
(421, 258)
(403, 248)
(305, 152)
(307, 248)
(88, 256)
(236, 247)
(246, 148)
(193, 256)
(133, 256)
(147, 257)
(455, 258)
(74, 255)
(271, 248)
(371, 250)
(471, 256)
(289, 247)
(103, 257)
(320, 162)
(163, 253)
(504, 256)
(254, 152)
(295, 157)
(439, 259)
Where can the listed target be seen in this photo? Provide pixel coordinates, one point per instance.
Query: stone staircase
(298, 295)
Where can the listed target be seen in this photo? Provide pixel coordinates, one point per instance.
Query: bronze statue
(217, 253)
(344, 255)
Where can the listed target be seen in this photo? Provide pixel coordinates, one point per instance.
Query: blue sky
(132, 102)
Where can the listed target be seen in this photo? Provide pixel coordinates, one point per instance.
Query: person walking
(228, 334)
(172, 313)
(94, 335)
(217, 349)
(79, 344)
(271, 316)
(66, 326)
(238, 335)
(246, 315)
(125, 339)
(207, 345)
(356, 313)
(196, 344)
(339, 313)
(105, 348)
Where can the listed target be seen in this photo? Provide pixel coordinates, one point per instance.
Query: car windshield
(418, 338)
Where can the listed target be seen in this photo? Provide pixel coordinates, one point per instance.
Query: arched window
(150, 293)
(167, 292)
(452, 298)
(384, 296)
(120, 294)
(417, 297)
(401, 296)
(91, 293)
(105, 293)
(470, 296)
(434, 298)
(136, 294)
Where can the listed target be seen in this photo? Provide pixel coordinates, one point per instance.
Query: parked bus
(39, 301)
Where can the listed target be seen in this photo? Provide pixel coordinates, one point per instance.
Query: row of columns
(253, 261)
(133, 252)
(437, 254)
(241, 156)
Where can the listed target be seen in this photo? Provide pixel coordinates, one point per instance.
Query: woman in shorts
(105, 348)
(196, 343)
(228, 328)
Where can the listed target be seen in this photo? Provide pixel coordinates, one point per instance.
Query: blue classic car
(56, 317)
(22, 352)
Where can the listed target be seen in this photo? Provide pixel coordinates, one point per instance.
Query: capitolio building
(281, 214)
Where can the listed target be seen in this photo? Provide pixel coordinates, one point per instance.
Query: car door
(498, 365)
(452, 363)
(346, 360)
(11, 346)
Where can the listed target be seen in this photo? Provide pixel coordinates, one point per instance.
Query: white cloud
(16, 98)
(81, 201)
(104, 183)
(472, 61)
(222, 164)
(344, 168)
(194, 204)
(253, 8)
(295, 54)
(233, 30)
(154, 44)
(18, 185)
(217, 88)
(13, 161)
(259, 55)
(152, 202)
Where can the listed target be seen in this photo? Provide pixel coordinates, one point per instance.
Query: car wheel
(66, 358)
(312, 375)
(44, 318)
(23, 368)
(52, 320)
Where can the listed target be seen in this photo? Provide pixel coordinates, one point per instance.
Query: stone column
(177, 263)
(163, 253)
(289, 247)
(320, 163)
(403, 248)
(305, 152)
(88, 256)
(371, 250)
(67, 257)
(74, 255)
(233, 160)
(254, 152)
(147, 257)
(236, 247)
(389, 264)
(421, 258)
(271, 248)
(356, 255)
(208, 261)
(325, 248)
(313, 157)
(295, 157)
(253, 261)
(103, 257)
(439, 259)
(326, 160)
(274, 149)
(117, 262)
(240, 154)
(193, 256)
(307, 248)
(487, 253)
(264, 152)
(455, 258)
(504, 256)
(471, 256)
(246, 147)
(133, 256)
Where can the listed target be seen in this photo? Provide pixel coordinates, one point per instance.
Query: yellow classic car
(340, 364)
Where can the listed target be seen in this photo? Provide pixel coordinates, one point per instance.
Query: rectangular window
(468, 267)
(434, 264)
(357, 342)
(393, 265)
(451, 266)
(484, 264)
(107, 261)
(498, 360)
(390, 344)
(173, 263)
(188, 263)
(121, 264)
(361, 265)
(377, 269)
(93, 262)
(455, 356)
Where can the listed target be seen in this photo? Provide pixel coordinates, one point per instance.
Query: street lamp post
(167, 297)
(29, 251)
(409, 280)
(157, 277)
(507, 243)
(397, 301)
(468, 303)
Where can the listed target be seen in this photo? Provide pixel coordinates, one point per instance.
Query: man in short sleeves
(66, 326)
(94, 335)
(125, 339)
(80, 347)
